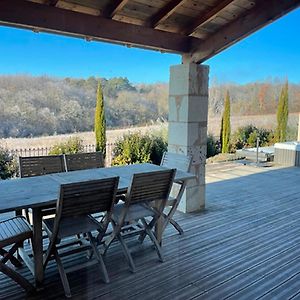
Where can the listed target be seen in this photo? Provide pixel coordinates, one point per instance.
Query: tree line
(37, 106)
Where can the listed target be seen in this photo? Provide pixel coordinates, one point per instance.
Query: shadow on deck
(245, 245)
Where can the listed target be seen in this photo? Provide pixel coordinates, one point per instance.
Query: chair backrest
(178, 161)
(150, 186)
(41, 165)
(87, 197)
(83, 198)
(82, 161)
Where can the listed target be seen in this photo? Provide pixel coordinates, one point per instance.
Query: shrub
(138, 148)
(246, 137)
(252, 139)
(213, 146)
(265, 137)
(8, 165)
(71, 146)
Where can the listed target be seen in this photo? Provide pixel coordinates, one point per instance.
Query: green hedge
(246, 136)
(138, 148)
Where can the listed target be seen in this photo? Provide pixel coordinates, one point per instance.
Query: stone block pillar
(188, 110)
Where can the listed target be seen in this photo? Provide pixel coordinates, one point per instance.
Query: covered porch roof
(195, 29)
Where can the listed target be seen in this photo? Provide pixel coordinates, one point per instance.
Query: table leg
(159, 227)
(37, 245)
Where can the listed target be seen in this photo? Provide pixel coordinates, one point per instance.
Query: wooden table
(40, 191)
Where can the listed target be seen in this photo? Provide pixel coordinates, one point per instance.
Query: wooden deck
(246, 245)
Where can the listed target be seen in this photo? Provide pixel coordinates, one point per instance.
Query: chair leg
(143, 233)
(126, 253)
(99, 258)
(108, 242)
(8, 255)
(25, 284)
(154, 240)
(176, 226)
(62, 273)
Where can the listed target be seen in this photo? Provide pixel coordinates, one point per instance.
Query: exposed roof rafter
(164, 13)
(53, 2)
(34, 16)
(207, 16)
(113, 8)
(263, 13)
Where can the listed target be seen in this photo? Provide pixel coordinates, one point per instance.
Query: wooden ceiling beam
(34, 16)
(263, 13)
(207, 16)
(113, 7)
(164, 13)
(53, 2)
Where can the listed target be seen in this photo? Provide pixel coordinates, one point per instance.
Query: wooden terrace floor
(246, 245)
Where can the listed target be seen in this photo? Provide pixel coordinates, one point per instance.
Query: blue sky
(272, 52)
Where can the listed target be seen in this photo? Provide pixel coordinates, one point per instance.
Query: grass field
(265, 121)
(87, 137)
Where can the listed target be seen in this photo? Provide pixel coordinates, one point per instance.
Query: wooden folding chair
(13, 232)
(76, 203)
(183, 163)
(145, 188)
(40, 165)
(82, 161)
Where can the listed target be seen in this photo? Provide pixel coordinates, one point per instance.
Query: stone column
(188, 109)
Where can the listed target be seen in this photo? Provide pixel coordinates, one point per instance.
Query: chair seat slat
(13, 228)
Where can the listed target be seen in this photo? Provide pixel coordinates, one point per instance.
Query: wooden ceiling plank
(113, 8)
(164, 13)
(207, 16)
(25, 14)
(263, 13)
(78, 8)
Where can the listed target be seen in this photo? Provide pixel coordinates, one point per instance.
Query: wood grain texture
(195, 29)
(42, 191)
(207, 16)
(14, 230)
(113, 8)
(53, 19)
(41, 165)
(263, 13)
(165, 12)
(83, 161)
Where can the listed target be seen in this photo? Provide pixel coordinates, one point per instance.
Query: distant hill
(36, 106)
(40, 106)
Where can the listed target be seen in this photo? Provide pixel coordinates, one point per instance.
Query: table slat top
(43, 190)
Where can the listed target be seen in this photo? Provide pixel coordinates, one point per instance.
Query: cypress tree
(100, 123)
(282, 114)
(225, 125)
(221, 134)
